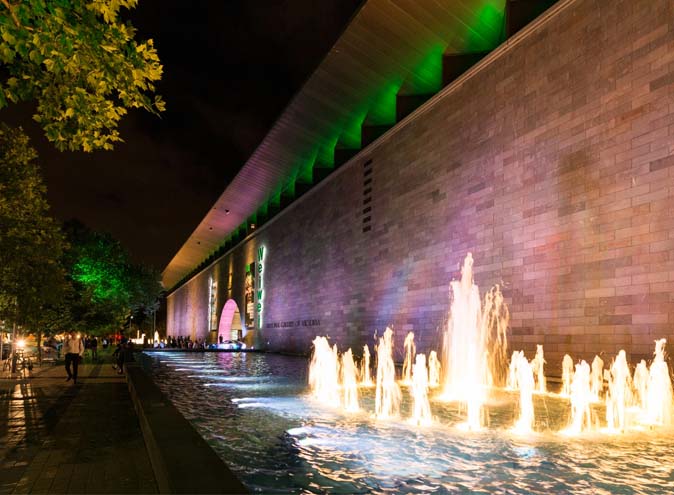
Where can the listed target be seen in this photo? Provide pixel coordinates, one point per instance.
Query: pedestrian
(73, 348)
(94, 349)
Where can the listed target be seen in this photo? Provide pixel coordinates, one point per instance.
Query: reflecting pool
(255, 410)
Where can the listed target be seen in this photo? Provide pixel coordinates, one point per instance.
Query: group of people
(74, 347)
(91, 343)
(181, 342)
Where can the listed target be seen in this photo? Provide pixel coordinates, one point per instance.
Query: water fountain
(567, 374)
(421, 415)
(619, 395)
(525, 383)
(387, 392)
(513, 381)
(581, 414)
(419, 448)
(538, 367)
(349, 382)
(365, 377)
(597, 378)
(410, 352)
(659, 394)
(324, 373)
(434, 369)
(640, 382)
(474, 344)
(474, 347)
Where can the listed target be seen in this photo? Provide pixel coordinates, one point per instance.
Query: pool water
(255, 411)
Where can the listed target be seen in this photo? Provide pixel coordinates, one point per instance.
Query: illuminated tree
(108, 287)
(31, 243)
(82, 65)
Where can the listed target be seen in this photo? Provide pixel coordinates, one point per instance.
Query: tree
(31, 243)
(81, 63)
(108, 287)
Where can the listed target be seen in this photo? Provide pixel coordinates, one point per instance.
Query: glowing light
(324, 372)
(538, 367)
(525, 381)
(387, 396)
(349, 382)
(365, 377)
(410, 352)
(434, 368)
(474, 344)
(567, 374)
(260, 290)
(581, 418)
(421, 415)
(475, 338)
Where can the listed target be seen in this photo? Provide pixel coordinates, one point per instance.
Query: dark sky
(230, 68)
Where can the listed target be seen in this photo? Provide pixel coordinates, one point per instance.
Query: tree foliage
(81, 63)
(31, 243)
(108, 287)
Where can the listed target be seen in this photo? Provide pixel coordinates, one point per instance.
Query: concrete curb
(181, 459)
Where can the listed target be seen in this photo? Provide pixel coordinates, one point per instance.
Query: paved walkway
(56, 437)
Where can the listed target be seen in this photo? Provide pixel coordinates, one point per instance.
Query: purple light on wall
(229, 311)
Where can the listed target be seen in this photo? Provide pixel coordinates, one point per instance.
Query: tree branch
(11, 12)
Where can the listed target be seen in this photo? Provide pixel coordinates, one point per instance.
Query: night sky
(230, 68)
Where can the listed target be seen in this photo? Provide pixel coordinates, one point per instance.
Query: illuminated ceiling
(390, 48)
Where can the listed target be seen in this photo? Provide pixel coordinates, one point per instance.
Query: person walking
(73, 348)
(94, 349)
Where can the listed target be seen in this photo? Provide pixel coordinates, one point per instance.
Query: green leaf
(8, 37)
(79, 56)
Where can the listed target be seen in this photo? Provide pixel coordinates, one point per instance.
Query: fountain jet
(659, 394)
(387, 395)
(421, 415)
(567, 374)
(597, 378)
(324, 373)
(365, 376)
(513, 381)
(474, 344)
(538, 367)
(410, 352)
(580, 400)
(619, 395)
(525, 380)
(434, 369)
(640, 382)
(349, 382)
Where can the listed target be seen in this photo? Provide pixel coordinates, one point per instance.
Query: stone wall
(553, 164)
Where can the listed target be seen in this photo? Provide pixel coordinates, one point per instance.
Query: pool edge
(182, 461)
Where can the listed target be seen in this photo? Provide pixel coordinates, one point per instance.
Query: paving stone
(57, 437)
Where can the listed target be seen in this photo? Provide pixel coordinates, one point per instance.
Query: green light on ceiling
(289, 189)
(263, 211)
(275, 199)
(484, 33)
(305, 172)
(350, 138)
(427, 77)
(383, 110)
(326, 152)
